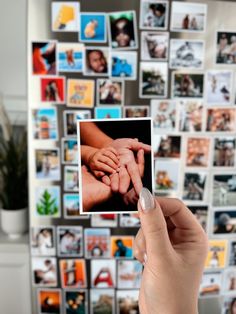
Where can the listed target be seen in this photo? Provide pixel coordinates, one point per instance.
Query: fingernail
(144, 259)
(146, 200)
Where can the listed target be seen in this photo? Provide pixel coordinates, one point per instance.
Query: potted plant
(13, 179)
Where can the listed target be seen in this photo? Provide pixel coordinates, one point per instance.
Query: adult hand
(173, 247)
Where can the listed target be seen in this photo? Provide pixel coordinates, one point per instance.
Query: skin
(97, 62)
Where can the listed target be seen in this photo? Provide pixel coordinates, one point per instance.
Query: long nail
(147, 200)
(144, 259)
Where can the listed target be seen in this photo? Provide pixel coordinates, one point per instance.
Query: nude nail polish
(147, 200)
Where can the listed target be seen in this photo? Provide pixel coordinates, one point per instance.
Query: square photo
(96, 159)
(136, 111)
(70, 57)
(166, 146)
(224, 153)
(97, 61)
(47, 163)
(154, 14)
(122, 246)
(102, 300)
(93, 27)
(211, 284)
(124, 65)
(227, 304)
(80, 93)
(129, 274)
(163, 113)
(155, 46)
(69, 149)
(71, 204)
(217, 253)
(229, 281)
(103, 273)
(75, 301)
(110, 92)
(225, 47)
(70, 118)
(201, 213)
(127, 301)
(104, 220)
(70, 241)
(53, 89)
(194, 186)
(187, 85)
(73, 273)
(44, 58)
(224, 222)
(232, 253)
(198, 152)
(43, 241)
(129, 220)
(65, 16)
(97, 242)
(47, 201)
(108, 112)
(45, 126)
(55, 304)
(166, 175)
(190, 115)
(221, 120)
(44, 271)
(224, 190)
(71, 179)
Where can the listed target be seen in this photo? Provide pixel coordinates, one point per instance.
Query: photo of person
(192, 17)
(198, 151)
(73, 273)
(70, 118)
(80, 93)
(187, 85)
(44, 58)
(155, 46)
(47, 201)
(71, 206)
(71, 180)
(44, 271)
(47, 163)
(190, 116)
(43, 241)
(226, 47)
(69, 149)
(122, 246)
(108, 112)
(97, 243)
(70, 57)
(187, 54)
(224, 190)
(194, 186)
(127, 301)
(221, 120)
(166, 175)
(93, 28)
(135, 111)
(103, 273)
(224, 222)
(97, 61)
(228, 305)
(219, 87)
(166, 146)
(154, 14)
(102, 301)
(129, 220)
(232, 253)
(75, 302)
(210, 284)
(105, 169)
(104, 220)
(153, 80)
(124, 65)
(49, 301)
(229, 281)
(65, 16)
(69, 241)
(224, 151)
(217, 254)
(201, 213)
(129, 274)
(53, 90)
(123, 30)
(110, 92)
(45, 125)
(163, 113)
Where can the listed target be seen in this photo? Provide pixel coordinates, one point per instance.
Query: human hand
(173, 247)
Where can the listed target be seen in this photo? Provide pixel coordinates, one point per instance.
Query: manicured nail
(146, 200)
(144, 259)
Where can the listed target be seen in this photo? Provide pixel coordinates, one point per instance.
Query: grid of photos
(82, 262)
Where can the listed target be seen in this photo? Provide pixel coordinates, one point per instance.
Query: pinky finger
(106, 180)
(99, 174)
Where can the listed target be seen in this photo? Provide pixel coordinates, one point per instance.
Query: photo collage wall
(83, 263)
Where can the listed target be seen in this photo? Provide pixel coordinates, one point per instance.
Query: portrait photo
(65, 16)
(166, 175)
(45, 307)
(163, 113)
(224, 190)
(73, 273)
(154, 14)
(47, 201)
(45, 126)
(194, 186)
(198, 151)
(110, 92)
(224, 223)
(70, 118)
(224, 153)
(53, 90)
(47, 162)
(43, 241)
(70, 57)
(124, 65)
(187, 85)
(80, 93)
(44, 271)
(93, 27)
(221, 120)
(70, 241)
(225, 47)
(190, 115)
(122, 247)
(155, 46)
(96, 62)
(103, 273)
(44, 61)
(97, 243)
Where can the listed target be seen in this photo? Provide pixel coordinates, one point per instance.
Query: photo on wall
(155, 46)
(124, 65)
(224, 223)
(129, 220)
(73, 273)
(108, 112)
(127, 300)
(154, 14)
(45, 126)
(80, 93)
(71, 180)
(198, 151)
(187, 85)
(69, 149)
(70, 118)
(136, 111)
(96, 62)
(71, 204)
(44, 271)
(224, 189)
(65, 16)
(221, 120)
(194, 189)
(53, 89)
(93, 27)
(97, 243)
(217, 254)
(102, 298)
(163, 113)
(75, 301)
(110, 92)
(47, 201)
(70, 241)
(211, 284)
(47, 163)
(43, 241)
(44, 61)
(190, 115)
(224, 153)
(225, 47)
(229, 281)
(166, 146)
(104, 220)
(122, 247)
(70, 57)
(201, 213)
(129, 274)
(103, 273)
(232, 253)
(55, 304)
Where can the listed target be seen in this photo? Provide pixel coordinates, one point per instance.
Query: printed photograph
(187, 85)
(110, 92)
(49, 301)
(198, 151)
(44, 58)
(194, 186)
(75, 301)
(71, 206)
(70, 118)
(70, 241)
(103, 273)
(154, 14)
(122, 246)
(97, 61)
(104, 220)
(44, 271)
(127, 301)
(65, 16)
(71, 179)
(187, 54)
(45, 125)
(47, 201)
(163, 113)
(217, 254)
(224, 151)
(225, 47)
(70, 57)
(106, 170)
(102, 301)
(129, 274)
(232, 253)
(155, 46)
(129, 220)
(166, 175)
(190, 115)
(124, 65)
(53, 90)
(192, 17)
(43, 241)
(93, 27)
(123, 30)
(80, 93)
(69, 149)
(108, 112)
(135, 111)
(224, 190)
(73, 273)
(211, 284)
(47, 162)
(153, 80)
(221, 120)
(228, 304)
(97, 243)
(201, 213)
(224, 222)
(166, 146)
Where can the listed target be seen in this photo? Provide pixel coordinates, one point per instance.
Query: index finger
(136, 145)
(133, 171)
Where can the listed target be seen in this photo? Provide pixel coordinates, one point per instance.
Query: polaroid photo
(110, 92)
(102, 299)
(155, 46)
(218, 89)
(228, 303)
(166, 146)
(123, 30)
(124, 65)
(223, 223)
(45, 125)
(44, 57)
(198, 151)
(93, 27)
(43, 241)
(47, 202)
(163, 113)
(229, 281)
(44, 271)
(127, 300)
(52, 89)
(194, 186)
(104, 220)
(211, 284)
(187, 53)
(201, 213)
(224, 190)
(225, 48)
(129, 274)
(75, 301)
(190, 17)
(70, 241)
(136, 111)
(167, 174)
(224, 153)
(115, 129)
(69, 148)
(73, 273)
(96, 61)
(55, 304)
(71, 179)
(103, 273)
(232, 253)
(80, 93)
(70, 57)
(70, 118)
(71, 206)
(191, 115)
(65, 16)
(217, 254)
(153, 80)
(154, 14)
(129, 220)
(97, 243)
(221, 120)
(187, 85)
(108, 112)
(122, 247)
(47, 164)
